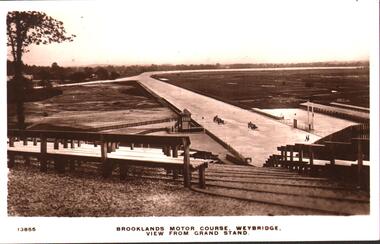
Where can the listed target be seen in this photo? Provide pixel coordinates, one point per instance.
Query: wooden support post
(186, 165)
(202, 177)
(113, 146)
(141, 145)
(11, 141)
(27, 160)
(132, 146)
(311, 156)
(56, 144)
(79, 143)
(72, 143)
(175, 174)
(109, 147)
(123, 171)
(285, 155)
(72, 165)
(148, 146)
(300, 154)
(117, 145)
(175, 151)
(11, 160)
(43, 151)
(34, 141)
(168, 151)
(65, 145)
(107, 166)
(291, 155)
(360, 162)
(95, 144)
(25, 141)
(60, 165)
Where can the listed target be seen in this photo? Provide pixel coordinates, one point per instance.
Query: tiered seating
(68, 148)
(343, 160)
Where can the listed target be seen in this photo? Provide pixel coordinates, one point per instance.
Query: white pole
(308, 119)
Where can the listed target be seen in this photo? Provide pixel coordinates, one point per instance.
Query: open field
(278, 88)
(91, 106)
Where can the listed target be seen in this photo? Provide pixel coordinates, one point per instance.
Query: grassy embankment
(280, 88)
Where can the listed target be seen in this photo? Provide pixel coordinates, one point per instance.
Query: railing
(345, 135)
(292, 157)
(119, 126)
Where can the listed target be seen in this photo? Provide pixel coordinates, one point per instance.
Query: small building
(185, 120)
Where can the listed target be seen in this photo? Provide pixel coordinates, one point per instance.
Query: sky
(193, 32)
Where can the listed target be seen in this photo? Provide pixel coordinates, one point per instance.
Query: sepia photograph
(151, 121)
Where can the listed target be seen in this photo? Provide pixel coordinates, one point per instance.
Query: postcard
(179, 121)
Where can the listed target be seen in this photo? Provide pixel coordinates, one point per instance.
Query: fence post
(34, 141)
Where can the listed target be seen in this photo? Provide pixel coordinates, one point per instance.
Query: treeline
(47, 75)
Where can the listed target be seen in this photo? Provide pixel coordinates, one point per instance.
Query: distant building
(185, 120)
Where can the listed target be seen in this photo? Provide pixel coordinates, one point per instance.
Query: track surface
(255, 144)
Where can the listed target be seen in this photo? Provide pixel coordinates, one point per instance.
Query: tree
(78, 76)
(102, 73)
(23, 30)
(114, 75)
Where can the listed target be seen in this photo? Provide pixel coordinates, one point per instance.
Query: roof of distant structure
(186, 112)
